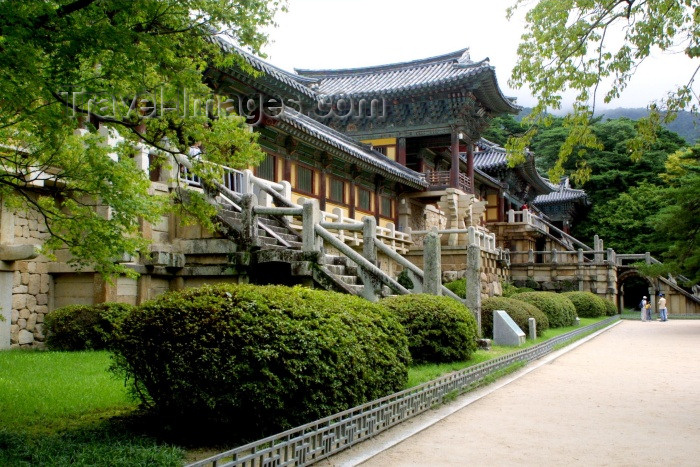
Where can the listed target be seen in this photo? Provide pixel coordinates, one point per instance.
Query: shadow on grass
(135, 439)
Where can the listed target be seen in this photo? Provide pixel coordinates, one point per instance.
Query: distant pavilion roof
(442, 72)
(489, 157)
(562, 193)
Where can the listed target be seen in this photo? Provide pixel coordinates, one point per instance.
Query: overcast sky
(353, 33)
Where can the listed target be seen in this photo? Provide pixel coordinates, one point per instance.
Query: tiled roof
(490, 156)
(453, 69)
(360, 152)
(487, 178)
(560, 194)
(295, 82)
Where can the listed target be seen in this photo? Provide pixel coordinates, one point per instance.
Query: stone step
(277, 228)
(264, 241)
(351, 280)
(272, 246)
(336, 269)
(284, 236)
(336, 260)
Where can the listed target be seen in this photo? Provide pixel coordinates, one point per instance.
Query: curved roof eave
(443, 72)
(291, 81)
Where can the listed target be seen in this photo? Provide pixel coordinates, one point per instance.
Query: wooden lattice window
(337, 193)
(385, 206)
(305, 179)
(266, 169)
(364, 200)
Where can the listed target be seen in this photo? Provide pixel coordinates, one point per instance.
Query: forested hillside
(650, 205)
(686, 124)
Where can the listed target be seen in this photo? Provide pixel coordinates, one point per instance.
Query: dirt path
(630, 396)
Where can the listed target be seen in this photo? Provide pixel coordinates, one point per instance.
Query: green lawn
(65, 408)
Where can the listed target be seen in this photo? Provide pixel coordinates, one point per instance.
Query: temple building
(382, 156)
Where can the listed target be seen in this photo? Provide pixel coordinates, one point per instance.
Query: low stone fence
(317, 440)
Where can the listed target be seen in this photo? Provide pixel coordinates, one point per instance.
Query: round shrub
(458, 287)
(610, 308)
(439, 329)
(509, 289)
(266, 357)
(588, 304)
(559, 309)
(81, 327)
(519, 310)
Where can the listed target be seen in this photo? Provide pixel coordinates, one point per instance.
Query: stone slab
(505, 331)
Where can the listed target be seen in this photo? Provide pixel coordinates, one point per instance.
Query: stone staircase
(277, 242)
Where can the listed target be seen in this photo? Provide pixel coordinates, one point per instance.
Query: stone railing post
(647, 257)
(471, 236)
(250, 219)
(432, 264)
(530, 256)
(372, 287)
(247, 182)
(369, 230)
(392, 234)
(611, 256)
(473, 276)
(286, 190)
(597, 247)
(339, 219)
(555, 258)
(311, 216)
(511, 216)
(580, 256)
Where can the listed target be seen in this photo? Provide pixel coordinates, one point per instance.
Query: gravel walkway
(628, 396)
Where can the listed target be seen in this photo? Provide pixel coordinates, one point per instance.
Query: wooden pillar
(322, 188)
(470, 165)
(377, 190)
(501, 207)
(401, 152)
(454, 168)
(287, 170)
(351, 204)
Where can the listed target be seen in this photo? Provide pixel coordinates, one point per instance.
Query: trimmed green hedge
(458, 287)
(610, 308)
(439, 329)
(509, 289)
(81, 327)
(265, 357)
(588, 304)
(519, 310)
(559, 309)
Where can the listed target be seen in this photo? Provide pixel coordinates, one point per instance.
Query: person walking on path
(662, 307)
(648, 310)
(643, 308)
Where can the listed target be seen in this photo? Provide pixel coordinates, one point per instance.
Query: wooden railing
(440, 179)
